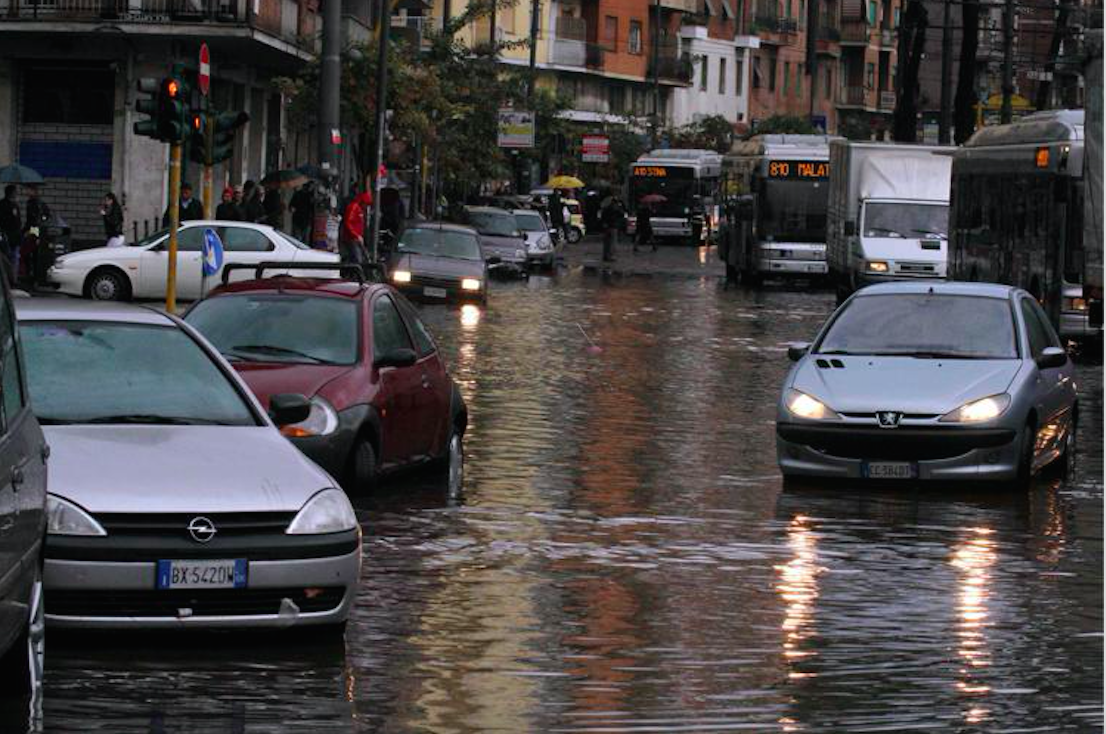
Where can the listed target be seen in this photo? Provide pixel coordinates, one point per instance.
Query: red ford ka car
(381, 398)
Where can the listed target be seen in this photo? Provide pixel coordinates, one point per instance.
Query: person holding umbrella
(11, 225)
(644, 234)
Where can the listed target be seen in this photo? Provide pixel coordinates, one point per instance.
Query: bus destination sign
(651, 171)
(798, 169)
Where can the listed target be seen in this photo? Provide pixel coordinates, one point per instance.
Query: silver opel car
(173, 501)
(929, 381)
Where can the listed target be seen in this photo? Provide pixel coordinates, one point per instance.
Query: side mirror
(850, 229)
(797, 351)
(396, 358)
(1051, 357)
(288, 408)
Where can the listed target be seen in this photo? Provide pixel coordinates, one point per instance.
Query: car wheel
(455, 463)
(362, 471)
(574, 235)
(1066, 462)
(1025, 456)
(108, 285)
(21, 668)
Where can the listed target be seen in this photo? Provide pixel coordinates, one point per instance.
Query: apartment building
(67, 93)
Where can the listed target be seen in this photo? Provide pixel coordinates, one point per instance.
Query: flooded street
(625, 558)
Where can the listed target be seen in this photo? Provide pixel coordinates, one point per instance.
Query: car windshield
(440, 243)
(530, 222)
(120, 373)
(908, 221)
(280, 328)
(923, 325)
(151, 238)
(495, 224)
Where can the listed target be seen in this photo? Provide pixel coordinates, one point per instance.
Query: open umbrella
(564, 182)
(18, 174)
(653, 198)
(286, 178)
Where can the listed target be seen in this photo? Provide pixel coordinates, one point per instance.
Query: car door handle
(45, 452)
(425, 381)
(18, 477)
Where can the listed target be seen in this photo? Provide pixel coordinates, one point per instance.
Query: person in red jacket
(351, 243)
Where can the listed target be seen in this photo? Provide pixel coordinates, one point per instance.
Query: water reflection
(973, 559)
(798, 587)
(470, 316)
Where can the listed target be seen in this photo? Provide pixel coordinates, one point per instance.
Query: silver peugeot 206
(173, 501)
(929, 381)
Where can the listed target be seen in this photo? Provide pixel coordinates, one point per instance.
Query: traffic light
(172, 110)
(224, 127)
(147, 106)
(198, 134)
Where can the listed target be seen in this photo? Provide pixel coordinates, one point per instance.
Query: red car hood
(268, 378)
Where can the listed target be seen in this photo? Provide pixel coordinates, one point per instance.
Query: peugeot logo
(888, 418)
(201, 529)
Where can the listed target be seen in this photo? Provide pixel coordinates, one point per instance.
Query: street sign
(212, 253)
(205, 69)
(516, 129)
(595, 148)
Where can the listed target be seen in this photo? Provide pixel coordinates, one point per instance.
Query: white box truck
(888, 213)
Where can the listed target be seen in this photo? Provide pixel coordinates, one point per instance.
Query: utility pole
(944, 123)
(535, 24)
(381, 122)
(656, 71)
(330, 78)
(1007, 62)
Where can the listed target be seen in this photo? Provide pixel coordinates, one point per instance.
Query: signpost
(516, 129)
(207, 194)
(212, 260)
(595, 149)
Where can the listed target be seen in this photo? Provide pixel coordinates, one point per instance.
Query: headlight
(544, 243)
(328, 511)
(321, 421)
(470, 284)
(402, 276)
(877, 266)
(1075, 304)
(65, 518)
(979, 410)
(802, 405)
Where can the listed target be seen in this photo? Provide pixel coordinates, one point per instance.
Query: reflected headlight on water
(978, 411)
(801, 405)
(470, 315)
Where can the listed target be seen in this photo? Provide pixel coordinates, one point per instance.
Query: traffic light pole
(174, 224)
(209, 176)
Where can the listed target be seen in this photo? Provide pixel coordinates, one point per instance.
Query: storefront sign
(595, 148)
(516, 129)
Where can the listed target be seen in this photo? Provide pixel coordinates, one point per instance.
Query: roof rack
(358, 271)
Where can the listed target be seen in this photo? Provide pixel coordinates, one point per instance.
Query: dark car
(23, 453)
(438, 262)
(381, 398)
(500, 237)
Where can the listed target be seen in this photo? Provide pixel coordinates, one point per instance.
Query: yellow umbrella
(564, 182)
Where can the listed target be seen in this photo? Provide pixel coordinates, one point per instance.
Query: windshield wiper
(934, 354)
(942, 235)
(885, 230)
(277, 351)
(151, 419)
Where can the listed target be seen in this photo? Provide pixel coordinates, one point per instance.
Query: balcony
(569, 47)
(773, 29)
(593, 55)
(672, 67)
(788, 26)
(285, 19)
(414, 29)
(853, 97)
(855, 33)
(827, 40)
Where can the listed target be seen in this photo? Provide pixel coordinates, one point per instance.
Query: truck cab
(897, 239)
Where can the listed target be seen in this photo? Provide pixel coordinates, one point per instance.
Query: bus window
(792, 210)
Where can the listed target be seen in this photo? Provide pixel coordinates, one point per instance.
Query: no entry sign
(205, 70)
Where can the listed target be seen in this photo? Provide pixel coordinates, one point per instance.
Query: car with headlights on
(381, 397)
(503, 243)
(929, 381)
(138, 270)
(173, 500)
(438, 262)
(541, 250)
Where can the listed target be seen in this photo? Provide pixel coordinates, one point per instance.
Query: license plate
(889, 470)
(206, 574)
(434, 292)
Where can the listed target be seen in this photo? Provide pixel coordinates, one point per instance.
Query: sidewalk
(680, 260)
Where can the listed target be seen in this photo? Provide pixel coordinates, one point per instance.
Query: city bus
(1017, 213)
(775, 191)
(683, 184)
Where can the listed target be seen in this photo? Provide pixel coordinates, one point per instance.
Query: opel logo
(201, 529)
(888, 418)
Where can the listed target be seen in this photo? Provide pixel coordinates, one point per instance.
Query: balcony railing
(855, 32)
(854, 96)
(283, 18)
(788, 25)
(673, 67)
(828, 31)
(569, 47)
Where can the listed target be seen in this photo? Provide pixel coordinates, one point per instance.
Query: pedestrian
(189, 208)
(351, 241)
(612, 214)
(32, 258)
(557, 214)
(11, 226)
(274, 207)
(112, 213)
(252, 208)
(391, 218)
(228, 210)
(302, 207)
(644, 233)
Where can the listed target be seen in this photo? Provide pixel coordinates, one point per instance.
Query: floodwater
(624, 558)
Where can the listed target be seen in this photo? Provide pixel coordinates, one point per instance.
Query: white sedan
(139, 270)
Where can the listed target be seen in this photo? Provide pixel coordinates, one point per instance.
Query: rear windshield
(99, 372)
(923, 325)
(280, 328)
(441, 243)
(530, 222)
(495, 224)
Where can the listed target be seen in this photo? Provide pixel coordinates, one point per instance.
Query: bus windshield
(676, 185)
(792, 211)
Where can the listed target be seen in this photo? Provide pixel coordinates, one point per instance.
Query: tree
(912, 42)
(965, 100)
(711, 133)
(784, 125)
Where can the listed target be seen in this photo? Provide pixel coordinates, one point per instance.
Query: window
(610, 32)
(827, 92)
(870, 76)
(802, 11)
(722, 76)
(799, 80)
(787, 8)
(739, 76)
(771, 73)
(896, 18)
(634, 43)
(703, 72)
(505, 18)
(66, 95)
(616, 99)
(189, 239)
(1038, 334)
(872, 8)
(424, 343)
(786, 78)
(756, 72)
(389, 334)
(11, 382)
(241, 239)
